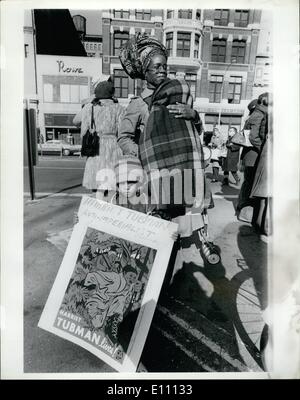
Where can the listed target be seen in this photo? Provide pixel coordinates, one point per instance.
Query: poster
(106, 290)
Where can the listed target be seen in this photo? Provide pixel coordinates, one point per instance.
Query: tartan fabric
(168, 142)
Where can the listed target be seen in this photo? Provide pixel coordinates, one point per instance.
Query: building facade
(224, 55)
(63, 83)
(229, 49)
(92, 43)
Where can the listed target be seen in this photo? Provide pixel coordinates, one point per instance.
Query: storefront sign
(68, 70)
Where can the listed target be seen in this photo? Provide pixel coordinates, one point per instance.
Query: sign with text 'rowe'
(106, 289)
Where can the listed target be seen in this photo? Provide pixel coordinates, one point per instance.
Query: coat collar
(146, 93)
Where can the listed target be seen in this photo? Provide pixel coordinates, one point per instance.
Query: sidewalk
(230, 292)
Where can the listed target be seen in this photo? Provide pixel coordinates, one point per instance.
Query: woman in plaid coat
(160, 126)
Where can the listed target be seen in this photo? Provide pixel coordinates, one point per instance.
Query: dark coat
(257, 123)
(233, 155)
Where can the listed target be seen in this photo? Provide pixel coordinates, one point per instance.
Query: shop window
(218, 52)
(196, 48)
(73, 93)
(183, 44)
(170, 14)
(185, 14)
(143, 14)
(48, 92)
(215, 88)
(191, 79)
(121, 14)
(169, 43)
(221, 17)
(241, 18)
(121, 83)
(120, 38)
(238, 51)
(235, 89)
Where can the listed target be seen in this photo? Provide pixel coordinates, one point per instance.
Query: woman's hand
(182, 111)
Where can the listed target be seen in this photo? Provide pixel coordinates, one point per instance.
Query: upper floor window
(221, 17)
(121, 14)
(238, 51)
(183, 44)
(143, 14)
(196, 48)
(235, 89)
(191, 79)
(170, 14)
(169, 42)
(241, 18)
(215, 88)
(218, 52)
(185, 14)
(121, 83)
(198, 14)
(120, 38)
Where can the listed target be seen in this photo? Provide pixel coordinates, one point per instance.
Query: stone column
(192, 45)
(228, 49)
(106, 23)
(175, 43)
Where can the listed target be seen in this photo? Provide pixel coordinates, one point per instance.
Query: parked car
(58, 146)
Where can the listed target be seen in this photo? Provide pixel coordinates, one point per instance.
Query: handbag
(90, 140)
(238, 138)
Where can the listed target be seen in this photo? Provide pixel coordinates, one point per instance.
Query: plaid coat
(170, 143)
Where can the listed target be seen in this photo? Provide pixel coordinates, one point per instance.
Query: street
(209, 320)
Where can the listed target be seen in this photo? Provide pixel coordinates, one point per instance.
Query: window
(120, 83)
(198, 14)
(191, 79)
(170, 14)
(185, 14)
(218, 52)
(238, 51)
(73, 93)
(120, 38)
(241, 18)
(183, 44)
(169, 43)
(121, 14)
(196, 48)
(215, 88)
(143, 14)
(48, 92)
(26, 48)
(235, 89)
(221, 17)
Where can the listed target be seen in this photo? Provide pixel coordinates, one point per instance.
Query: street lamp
(233, 61)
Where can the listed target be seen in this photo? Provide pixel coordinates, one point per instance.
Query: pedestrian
(231, 160)
(107, 115)
(216, 145)
(248, 158)
(257, 124)
(261, 188)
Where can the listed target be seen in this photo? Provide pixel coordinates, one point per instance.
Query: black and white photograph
(173, 131)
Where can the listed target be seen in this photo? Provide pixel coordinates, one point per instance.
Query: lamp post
(233, 61)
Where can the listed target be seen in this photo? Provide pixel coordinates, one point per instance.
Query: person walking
(107, 114)
(231, 161)
(257, 124)
(216, 145)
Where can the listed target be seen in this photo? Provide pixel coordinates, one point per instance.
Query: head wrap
(104, 90)
(129, 169)
(137, 52)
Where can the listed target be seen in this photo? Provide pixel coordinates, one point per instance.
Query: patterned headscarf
(136, 54)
